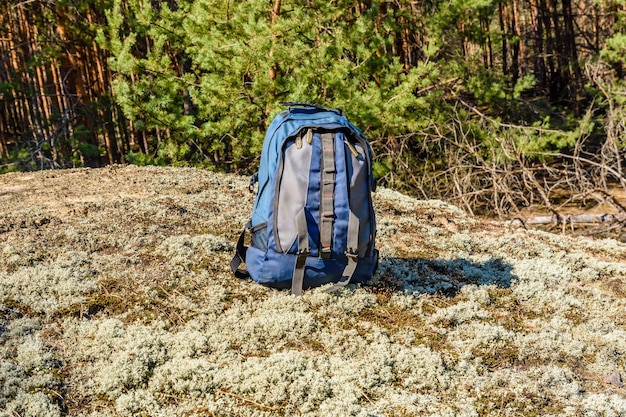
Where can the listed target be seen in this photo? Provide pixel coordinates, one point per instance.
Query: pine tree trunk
(502, 15)
(275, 15)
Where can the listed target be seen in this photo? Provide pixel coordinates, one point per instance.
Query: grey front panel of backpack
(360, 196)
(292, 193)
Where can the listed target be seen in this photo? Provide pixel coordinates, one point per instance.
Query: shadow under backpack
(313, 220)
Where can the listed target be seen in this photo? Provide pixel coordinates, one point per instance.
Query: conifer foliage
(456, 96)
(210, 74)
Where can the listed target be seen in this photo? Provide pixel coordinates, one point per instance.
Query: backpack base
(270, 269)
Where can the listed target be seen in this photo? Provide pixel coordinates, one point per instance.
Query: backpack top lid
(300, 115)
(286, 124)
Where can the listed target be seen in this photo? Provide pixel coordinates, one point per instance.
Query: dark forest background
(494, 105)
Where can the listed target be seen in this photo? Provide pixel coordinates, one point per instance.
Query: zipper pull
(352, 149)
(299, 142)
(309, 136)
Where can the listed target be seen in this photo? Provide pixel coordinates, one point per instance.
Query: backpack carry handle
(304, 104)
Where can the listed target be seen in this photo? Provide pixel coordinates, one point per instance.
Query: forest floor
(584, 208)
(116, 299)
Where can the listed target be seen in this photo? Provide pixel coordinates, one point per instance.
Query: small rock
(614, 379)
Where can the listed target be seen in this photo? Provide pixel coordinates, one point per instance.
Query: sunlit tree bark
(56, 108)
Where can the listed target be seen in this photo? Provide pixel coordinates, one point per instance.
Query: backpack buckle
(301, 258)
(254, 178)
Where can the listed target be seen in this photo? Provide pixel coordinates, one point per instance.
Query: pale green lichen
(117, 300)
(29, 385)
(46, 287)
(188, 250)
(35, 404)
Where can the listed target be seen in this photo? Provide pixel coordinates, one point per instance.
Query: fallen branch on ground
(576, 219)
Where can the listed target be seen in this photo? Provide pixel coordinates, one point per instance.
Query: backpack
(313, 219)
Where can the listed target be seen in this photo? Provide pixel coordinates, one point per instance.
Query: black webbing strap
(240, 256)
(304, 250)
(348, 272)
(352, 254)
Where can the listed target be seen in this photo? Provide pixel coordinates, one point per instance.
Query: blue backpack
(313, 220)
